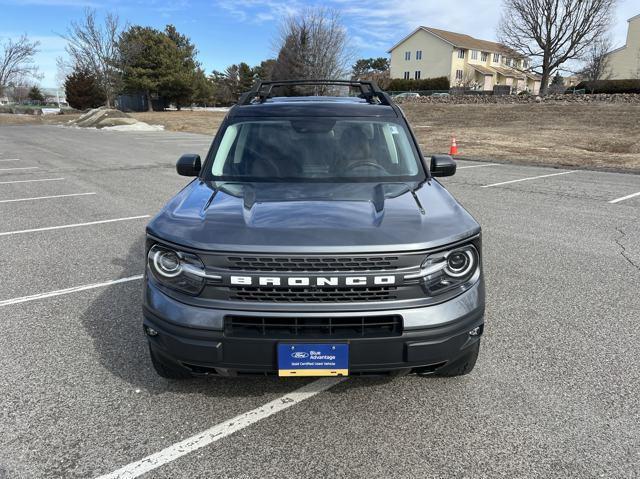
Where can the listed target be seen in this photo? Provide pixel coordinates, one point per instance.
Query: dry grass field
(596, 136)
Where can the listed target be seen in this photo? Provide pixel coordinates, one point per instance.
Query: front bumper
(194, 338)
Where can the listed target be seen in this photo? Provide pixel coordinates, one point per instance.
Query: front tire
(463, 365)
(166, 369)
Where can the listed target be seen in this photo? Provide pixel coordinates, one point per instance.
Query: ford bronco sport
(314, 240)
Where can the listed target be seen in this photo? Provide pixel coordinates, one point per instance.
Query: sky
(232, 31)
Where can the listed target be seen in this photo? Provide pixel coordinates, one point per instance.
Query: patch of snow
(140, 126)
(50, 111)
(213, 108)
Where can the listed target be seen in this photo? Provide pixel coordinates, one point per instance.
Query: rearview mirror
(189, 165)
(442, 165)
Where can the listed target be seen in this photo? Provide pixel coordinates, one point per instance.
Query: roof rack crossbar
(261, 90)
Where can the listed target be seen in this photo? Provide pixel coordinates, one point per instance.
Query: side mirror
(189, 165)
(442, 165)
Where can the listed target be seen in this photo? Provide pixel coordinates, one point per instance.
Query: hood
(312, 217)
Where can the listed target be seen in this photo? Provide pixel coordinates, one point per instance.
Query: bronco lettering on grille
(317, 281)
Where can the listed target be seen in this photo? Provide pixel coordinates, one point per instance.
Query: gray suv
(314, 240)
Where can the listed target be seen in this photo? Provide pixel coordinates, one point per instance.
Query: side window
(474, 54)
(461, 53)
(419, 55)
(407, 56)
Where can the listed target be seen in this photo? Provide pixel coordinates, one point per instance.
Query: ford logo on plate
(299, 355)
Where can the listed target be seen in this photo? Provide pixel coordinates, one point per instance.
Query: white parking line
(169, 138)
(30, 181)
(222, 430)
(181, 140)
(60, 292)
(477, 166)
(76, 225)
(632, 195)
(527, 179)
(11, 159)
(22, 168)
(47, 197)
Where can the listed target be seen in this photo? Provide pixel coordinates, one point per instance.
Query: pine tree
(35, 94)
(83, 91)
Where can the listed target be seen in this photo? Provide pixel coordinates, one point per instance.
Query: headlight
(447, 270)
(177, 270)
(166, 263)
(460, 263)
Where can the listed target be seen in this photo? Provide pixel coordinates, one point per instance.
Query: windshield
(316, 149)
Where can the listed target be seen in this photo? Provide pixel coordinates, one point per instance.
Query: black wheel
(463, 365)
(167, 369)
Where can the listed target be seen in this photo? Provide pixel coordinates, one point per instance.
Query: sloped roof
(465, 41)
(482, 69)
(461, 40)
(509, 72)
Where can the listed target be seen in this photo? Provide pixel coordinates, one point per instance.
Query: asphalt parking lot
(555, 392)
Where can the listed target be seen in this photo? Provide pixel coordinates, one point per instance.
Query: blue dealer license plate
(320, 359)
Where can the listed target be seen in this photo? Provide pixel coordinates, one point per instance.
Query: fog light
(150, 331)
(475, 331)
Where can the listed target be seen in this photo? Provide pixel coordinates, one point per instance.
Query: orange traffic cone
(454, 147)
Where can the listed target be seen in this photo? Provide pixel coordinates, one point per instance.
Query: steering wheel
(364, 163)
(264, 160)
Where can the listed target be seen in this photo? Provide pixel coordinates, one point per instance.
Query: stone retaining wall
(512, 99)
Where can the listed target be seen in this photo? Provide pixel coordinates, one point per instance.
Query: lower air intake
(325, 327)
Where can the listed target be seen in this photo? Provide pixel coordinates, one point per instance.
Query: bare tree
(94, 48)
(552, 32)
(16, 61)
(63, 70)
(312, 45)
(596, 60)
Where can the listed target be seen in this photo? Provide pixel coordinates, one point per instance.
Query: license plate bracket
(313, 359)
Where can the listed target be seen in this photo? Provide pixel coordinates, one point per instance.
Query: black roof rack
(261, 90)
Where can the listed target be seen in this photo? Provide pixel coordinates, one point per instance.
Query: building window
(525, 64)
(496, 58)
(461, 53)
(507, 61)
(406, 75)
(407, 56)
(459, 74)
(416, 75)
(419, 55)
(484, 56)
(474, 54)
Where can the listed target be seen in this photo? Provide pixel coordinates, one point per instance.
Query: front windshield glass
(316, 149)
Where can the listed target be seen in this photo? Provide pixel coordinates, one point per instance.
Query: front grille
(326, 327)
(312, 263)
(313, 295)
